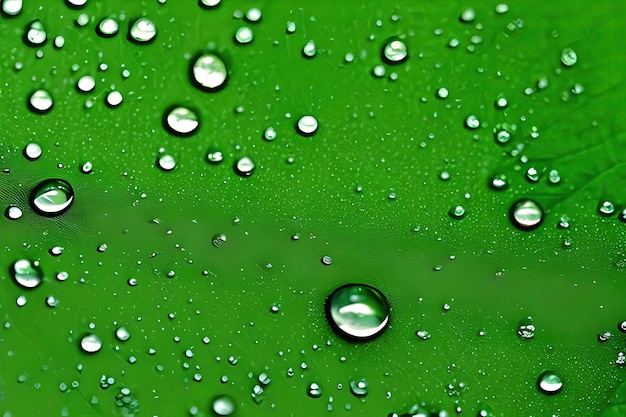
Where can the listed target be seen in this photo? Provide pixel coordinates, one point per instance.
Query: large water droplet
(181, 121)
(568, 57)
(209, 72)
(549, 383)
(11, 7)
(52, 197)
(395, 51)
(606, 208)
(108, 27)
(244, 167)
(357, 311)
(223, 405)
(307, 125)
(35, 34)
(86, 83)
(244, 35)
(91, 343)
(358, 388)
(166, 162)
(142, 31)
(26, 273)
(526, 214)
(40, 102)
(309, 50)
(253, 15)
(315, 391)
(32, 151)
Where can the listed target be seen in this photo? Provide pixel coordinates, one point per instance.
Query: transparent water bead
(166, 162)
(472, 122)
(395, 51)
(209, 72)
(108, 27)
(606, 208)
(253, 15)
(181, 121)
(499, 182)
(223, 405)
(359, 388)
(526, 328)
(244, 35)
(122, 334)
(143, 30)
(91, 343)
(32, 151)
(114, 99)
(314, 391)
(86, 84)
(35, 34)
(27, 273)
(457, 212)
(357, 311)
(244, 167)
(13, 213)
(52, 197)
(549, 383)
(269, 134)
(526, 214)
(468, 15)
(40, 102)
(309, 50)
(209, 3)
(568, 57)
(307, 125)
(11, 7)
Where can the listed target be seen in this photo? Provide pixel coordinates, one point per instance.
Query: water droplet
(568, 57)
(122, 334)
(327, 260)
(114, 99)
(21, 301)
(549, 383)
(442, 92)
(291, 27)
(604, 337)
(214, 157)
(218, 240)
(62, 276)
(395, 51)
(181, 121)
(32, 151)
(91, 343)
(554, 177)
(52, 197)
(86, 167)
(244, 35)
(502, 8)
(210, 3)
(307, 125)
(503, 132)
(86, 84)
(606, 208)
(13, 213)
(35, 34)
(166, 162)
(472, 122)
(422, 334)
(501, 102)
(244, 167)
(532, 174)
(253, 15)
(269, 134)
(40, 102)
(621, 326)
(379, 71)
(26, 273)
(52, 301)
(309, 50)
(357, 311)
(468, 15)
(76, 4)
(11, 7)
(108, 27)
(209, 72)
(499, 182)
(526, 328)
(358, 388)
(223, 405)
(526, 214)
(143, 30)
(82, 19)
(457, 212)
(314, 390)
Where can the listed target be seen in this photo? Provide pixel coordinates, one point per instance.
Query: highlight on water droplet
(143, 30)
(52, 197)
(27, 273)
(549, 383)
(40, 102)
(526, 214)
(357, 312)
(209, 72)
(181, 121)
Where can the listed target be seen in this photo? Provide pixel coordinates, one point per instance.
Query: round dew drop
(86, 84)
(395, 51)
(91, 343)
(32, 151)
(309, 50)
(549, 383)
(244, 167)
(209, 72)
(52, 197)
(307, 126)
(114, 99)
(253, 15)
(357, 312)
(181, 121)
(13, 213)
(568, 57)
(142, 31)
(526, 214)
(108, 27)
(223, 405)
(11, 7)
(166, 162)
(26, 273)
(35, 34)
(244, 35)
(40, 102)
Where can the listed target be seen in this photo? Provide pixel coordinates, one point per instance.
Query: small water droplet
(526, 214)
(52, 301)
(21, 301)
(357, 311)
(13, 213)
(114, 99)
(86, 168)
(554, 177)
(86, 84)
(467, 16)
(503, 132)
(52, 197)
(214, 157)
(40, 102)
(122, 334)
(358, 388)
(218, 240)
(472, 122)
(457, 212)
(11, 7)
(549, 383)
(499, 182)
(307, 125)
(166, 162)
(62, 276)
(442, 92)
(291, 27)
(209, 72)
(604, 337)
(35, 34)
(314, 390)
(502, 8)
(244, 35)
(269, 134)
(181, 121)
(59, 42)
(526, 328)
(569, 57)
(606, 208)
(143, 30)
(32, 151)
(91, 343)
(379, 71)
(223, 405)
(309, 50)
(244, 167)
(621, 326)
(253, 15)
(326, 260)
(395, 51)
(532, 174)
(108, 27)
(422, 334)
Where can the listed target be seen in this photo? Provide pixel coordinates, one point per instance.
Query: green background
(386, 136)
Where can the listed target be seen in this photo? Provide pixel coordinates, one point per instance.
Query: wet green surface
(377, 188)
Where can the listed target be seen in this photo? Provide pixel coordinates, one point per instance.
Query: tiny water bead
(569, 57)
(91, 343)
(357, 311)
(307, 125)
(11, 7)
(32, 151)
(549, 383)
(40, 101)
(13, 213)
(52, 197)
(108, 27)
(223, 405)
(181, 121)
(395, 51)
(209, 72)
(143, 30)
(122, 334)
(244, 167)
(526, 214)
(35, 34)
(27, 273)
(606, 208)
